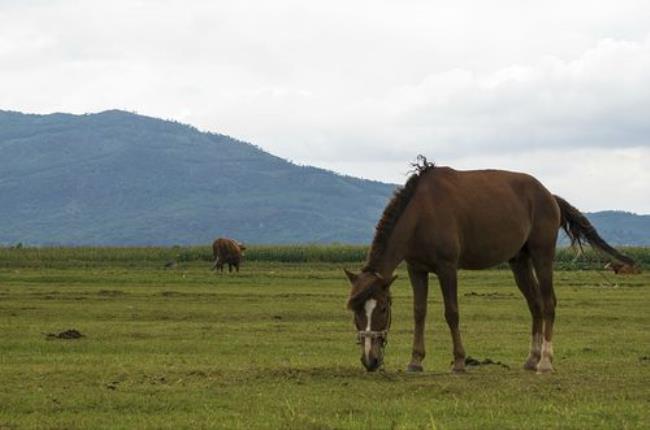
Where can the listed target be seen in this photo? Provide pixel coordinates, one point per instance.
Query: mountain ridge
(81, 179)
(120, 178)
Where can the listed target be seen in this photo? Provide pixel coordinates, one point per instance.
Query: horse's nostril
(373, 365)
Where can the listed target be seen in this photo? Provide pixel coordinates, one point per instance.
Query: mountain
(622, 228)
(118, 178)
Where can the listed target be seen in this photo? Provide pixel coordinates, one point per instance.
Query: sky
(557, 89)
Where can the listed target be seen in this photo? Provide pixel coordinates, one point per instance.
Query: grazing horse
(227, 251)
(444, 220)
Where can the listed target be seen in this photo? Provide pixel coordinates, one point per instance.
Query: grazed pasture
(274, 347)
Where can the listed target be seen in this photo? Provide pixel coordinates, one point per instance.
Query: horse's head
(370, 301)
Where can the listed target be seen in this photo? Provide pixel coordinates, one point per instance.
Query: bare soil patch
(67, 334)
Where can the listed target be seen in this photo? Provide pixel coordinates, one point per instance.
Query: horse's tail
(580, 230)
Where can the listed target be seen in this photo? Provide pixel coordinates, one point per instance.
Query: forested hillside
(118, 178)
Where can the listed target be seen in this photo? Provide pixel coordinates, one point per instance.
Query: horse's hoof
(531, 362)
(530, 366)
(543, 368)
(459, 371)
(414, 368)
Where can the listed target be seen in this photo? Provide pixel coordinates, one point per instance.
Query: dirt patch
(111, 293)
(490, 295)
(67, 334)
(475, 362)
(174, 294)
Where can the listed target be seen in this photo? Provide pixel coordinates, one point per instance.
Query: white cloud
(360, 86)
(598, 99)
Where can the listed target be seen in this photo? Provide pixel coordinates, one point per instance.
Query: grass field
(274, 347)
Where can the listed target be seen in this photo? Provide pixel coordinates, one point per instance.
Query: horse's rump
(226, 251)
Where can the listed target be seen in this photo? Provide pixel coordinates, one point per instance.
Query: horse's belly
(486, 250)
(472, 262)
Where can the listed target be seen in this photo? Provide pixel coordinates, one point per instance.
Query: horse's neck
(395, 249)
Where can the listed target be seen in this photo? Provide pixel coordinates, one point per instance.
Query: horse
(443, 220)
(227, 251)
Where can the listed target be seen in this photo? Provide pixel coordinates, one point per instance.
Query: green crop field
(274, 346)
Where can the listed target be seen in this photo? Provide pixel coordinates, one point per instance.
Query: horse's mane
(393, 211)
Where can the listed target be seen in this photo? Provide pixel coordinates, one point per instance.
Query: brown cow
(623, 269)
(227, 251)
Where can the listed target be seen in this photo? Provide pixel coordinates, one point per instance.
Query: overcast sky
(559, 89)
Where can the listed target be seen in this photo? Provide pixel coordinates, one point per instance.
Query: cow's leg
(523, 271)
(420, 284)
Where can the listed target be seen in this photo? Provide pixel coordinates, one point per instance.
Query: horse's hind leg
(448, 278)
(523, 271)
(543, 263)
(420, 285)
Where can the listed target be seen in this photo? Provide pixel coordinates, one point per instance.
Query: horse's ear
(351, 276)
(389, 283)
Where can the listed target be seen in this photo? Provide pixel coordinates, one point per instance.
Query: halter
(372, 334)
(382, 335)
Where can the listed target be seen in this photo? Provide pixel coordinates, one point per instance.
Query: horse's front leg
(420, 283)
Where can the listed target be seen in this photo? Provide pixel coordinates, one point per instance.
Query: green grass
(273, 347)
(48, 257)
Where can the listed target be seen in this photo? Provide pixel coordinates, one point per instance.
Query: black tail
(579, 230)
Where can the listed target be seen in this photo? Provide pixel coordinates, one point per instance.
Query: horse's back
(226, 250)
(481, 190)
(488, 215)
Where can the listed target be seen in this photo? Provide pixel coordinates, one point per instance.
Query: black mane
(393, 211)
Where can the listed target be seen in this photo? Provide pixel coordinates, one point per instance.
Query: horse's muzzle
(371, 364)
(372, 359)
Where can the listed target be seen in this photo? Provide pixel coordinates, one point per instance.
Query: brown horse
(227, 251)
(444, 220)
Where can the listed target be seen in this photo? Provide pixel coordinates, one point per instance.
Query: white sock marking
(369, 307)
(547, 350)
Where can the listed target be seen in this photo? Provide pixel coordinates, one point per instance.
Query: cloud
(598, 100)
(358, 86)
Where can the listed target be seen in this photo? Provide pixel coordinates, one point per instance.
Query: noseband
(382, 335)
